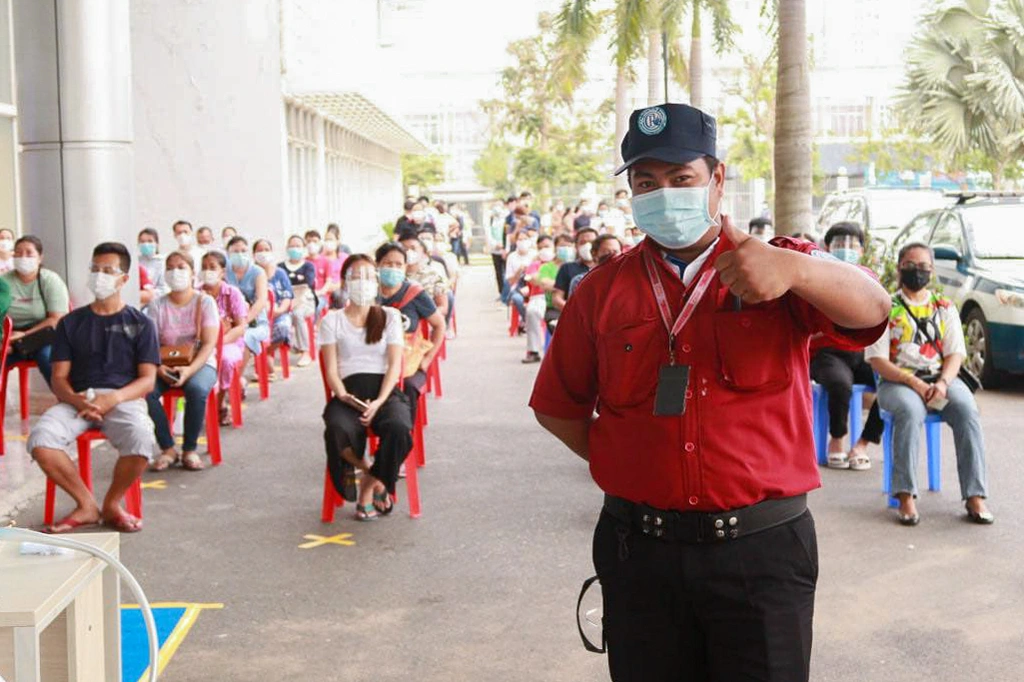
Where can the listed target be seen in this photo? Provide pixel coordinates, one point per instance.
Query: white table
(60, 618)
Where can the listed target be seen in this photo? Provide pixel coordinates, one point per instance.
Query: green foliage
(753, 124)
(493, 167)
(389, 229)
(423, 171)
(964, 84)
(898, 149)
(537, 133)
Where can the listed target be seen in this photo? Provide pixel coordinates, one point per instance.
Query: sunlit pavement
(484, 585)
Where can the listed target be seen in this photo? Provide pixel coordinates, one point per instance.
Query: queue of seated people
(204, 318)
(918, 362)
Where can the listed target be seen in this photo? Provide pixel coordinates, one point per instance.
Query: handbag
(416, 347)
(30, 344)
(182, 354)
(970, 379)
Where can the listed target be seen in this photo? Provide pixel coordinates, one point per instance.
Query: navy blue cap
(674, 133)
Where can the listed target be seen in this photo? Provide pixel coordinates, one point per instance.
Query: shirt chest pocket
(754, 349)
(628, 361)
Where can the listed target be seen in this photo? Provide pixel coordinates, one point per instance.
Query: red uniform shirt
(746, 433)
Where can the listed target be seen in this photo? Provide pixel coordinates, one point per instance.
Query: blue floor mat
(135, 644)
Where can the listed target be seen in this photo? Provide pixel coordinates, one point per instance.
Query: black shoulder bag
(30, 344)
(965, 375)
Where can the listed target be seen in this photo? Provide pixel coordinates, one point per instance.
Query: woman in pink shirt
(233, 312)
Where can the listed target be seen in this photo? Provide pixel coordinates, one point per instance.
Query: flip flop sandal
(68, 524)
(859, 462)
(124, 523)
(191, 462)
(384, 499)
(366, 513)
(225, 417)
(838, 460)
(164, 462)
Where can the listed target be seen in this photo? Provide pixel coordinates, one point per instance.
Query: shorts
(255, 336)
(127, 426)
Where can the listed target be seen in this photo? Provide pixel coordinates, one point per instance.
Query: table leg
(112, 623)
(26, 655)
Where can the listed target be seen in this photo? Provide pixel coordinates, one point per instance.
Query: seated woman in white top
(361, 347)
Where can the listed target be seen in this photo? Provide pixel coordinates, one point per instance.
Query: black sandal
(383, 497)
(985, 518)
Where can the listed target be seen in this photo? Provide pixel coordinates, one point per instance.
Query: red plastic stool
(132, 498)
(513, 327)
(170, 398)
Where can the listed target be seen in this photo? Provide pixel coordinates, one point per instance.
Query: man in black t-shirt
(585, 239)
(105, 357)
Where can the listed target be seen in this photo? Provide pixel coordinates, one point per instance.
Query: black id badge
(670, 400)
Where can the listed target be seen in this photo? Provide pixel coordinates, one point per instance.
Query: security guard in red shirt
(693, 349)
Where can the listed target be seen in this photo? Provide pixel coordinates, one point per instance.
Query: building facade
(118, 114)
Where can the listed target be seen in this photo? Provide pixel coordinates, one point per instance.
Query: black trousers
(392, 424)
(837, 371)
(499, 271)
(737, 611)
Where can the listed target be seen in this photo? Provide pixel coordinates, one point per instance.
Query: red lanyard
(696, 293)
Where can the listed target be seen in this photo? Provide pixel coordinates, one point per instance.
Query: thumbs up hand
(755, 271)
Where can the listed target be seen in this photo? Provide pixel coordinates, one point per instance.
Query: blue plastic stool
(547, 337)
(933, 438)
(821, 418)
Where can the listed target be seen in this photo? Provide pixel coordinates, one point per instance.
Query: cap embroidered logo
(652, 121)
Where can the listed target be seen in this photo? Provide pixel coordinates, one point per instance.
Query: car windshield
(895, 209)
(998, 231)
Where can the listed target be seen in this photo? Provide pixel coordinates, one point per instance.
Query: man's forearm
(140, 388)
(843, 293)
(575, 433)
(951, 367)
(889, 371)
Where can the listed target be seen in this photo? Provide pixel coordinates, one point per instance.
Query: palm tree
(793, 177)
(637, 26)
(964, 85)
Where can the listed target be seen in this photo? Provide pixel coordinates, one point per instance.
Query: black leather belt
(705, 527)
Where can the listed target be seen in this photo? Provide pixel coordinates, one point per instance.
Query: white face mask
(211, 278)
(547, 254)
(362, 291)
(414, 257)
(331, 246)
(265, 257)
(7, 245)
(27, 265)
(314, 248)
(179, 279)
(585, 251)
(428, 244)
(102, 285)
(184, 240)
(523, 246)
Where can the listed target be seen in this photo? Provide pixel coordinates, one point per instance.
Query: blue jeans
(197, 390)
(41, 356)
(909, 411)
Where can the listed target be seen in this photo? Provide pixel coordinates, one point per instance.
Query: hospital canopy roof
(353, 111)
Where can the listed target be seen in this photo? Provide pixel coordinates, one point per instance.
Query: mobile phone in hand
(174, 375)
(361, 403)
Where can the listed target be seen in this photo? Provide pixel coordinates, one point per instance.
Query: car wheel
(979, 351)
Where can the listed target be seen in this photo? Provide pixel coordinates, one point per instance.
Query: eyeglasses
(925, 267)
(105, 269)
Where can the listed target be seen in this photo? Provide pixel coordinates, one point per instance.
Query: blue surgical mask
(147, 249)
(847, 255)
(296, 254)
(566, 253)
(675, 217)
(392, 277)
(239, 260)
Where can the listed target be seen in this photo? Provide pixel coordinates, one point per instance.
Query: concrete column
(73, 61)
